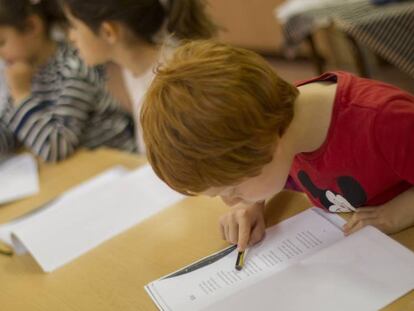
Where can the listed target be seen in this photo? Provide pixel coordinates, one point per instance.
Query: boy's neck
(313, 112)
(137, 58)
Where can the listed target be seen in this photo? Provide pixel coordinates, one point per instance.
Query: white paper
(18, 177)
(7, 229)
(365, 271)
(284, 244)
(80, 222)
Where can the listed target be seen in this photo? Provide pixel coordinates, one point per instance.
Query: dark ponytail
(186, 19)
(15, 12)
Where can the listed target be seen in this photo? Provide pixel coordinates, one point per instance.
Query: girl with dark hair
(53, 102)
(135, 35)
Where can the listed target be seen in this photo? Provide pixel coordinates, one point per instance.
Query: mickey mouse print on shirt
(351, 195)
(366, 158)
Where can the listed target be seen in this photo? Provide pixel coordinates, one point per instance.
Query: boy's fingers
(233, 232)
(356, 217)
(351, 222)
(227, 232)
(359, 222)
(257, 234)
(224, 227)
(244, 234)
(354, 228)
(222, 231)
(366, 209)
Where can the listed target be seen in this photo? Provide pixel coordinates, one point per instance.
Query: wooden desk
(111, 277)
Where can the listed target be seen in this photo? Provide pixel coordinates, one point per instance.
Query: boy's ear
(110, 32)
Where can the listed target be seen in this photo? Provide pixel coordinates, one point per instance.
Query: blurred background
(302, 38)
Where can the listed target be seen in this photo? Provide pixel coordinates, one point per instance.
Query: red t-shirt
(368, 156)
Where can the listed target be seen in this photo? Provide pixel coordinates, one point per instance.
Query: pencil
(5, 250)
(240, 261)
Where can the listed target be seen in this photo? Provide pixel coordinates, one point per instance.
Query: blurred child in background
(135, 35)
(54, 102)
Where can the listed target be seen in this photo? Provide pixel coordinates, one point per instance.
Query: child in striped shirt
(54, 102)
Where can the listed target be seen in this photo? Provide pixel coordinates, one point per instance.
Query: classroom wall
(249, 23)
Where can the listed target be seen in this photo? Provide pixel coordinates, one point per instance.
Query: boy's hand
(19, 77)
(389, 218)
(243, 225)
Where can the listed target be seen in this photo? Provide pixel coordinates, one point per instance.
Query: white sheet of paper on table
(18, 177)
(74, 225)
(6, 230)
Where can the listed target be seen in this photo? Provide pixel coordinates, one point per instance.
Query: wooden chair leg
(317, 59)
(360, 58)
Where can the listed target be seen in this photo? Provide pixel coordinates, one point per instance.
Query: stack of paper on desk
(88, 215)
(304, 263)
(18, 177)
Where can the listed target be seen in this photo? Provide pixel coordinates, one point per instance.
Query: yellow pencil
(5, 249)
(240, 261)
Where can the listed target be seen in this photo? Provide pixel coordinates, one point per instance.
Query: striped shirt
(68, 108)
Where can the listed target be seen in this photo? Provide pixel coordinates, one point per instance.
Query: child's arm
(393, 129)
(18, 78)
(392, 217)
(8, 141)
(52, 129)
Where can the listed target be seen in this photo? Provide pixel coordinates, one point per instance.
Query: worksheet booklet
(304, 263)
